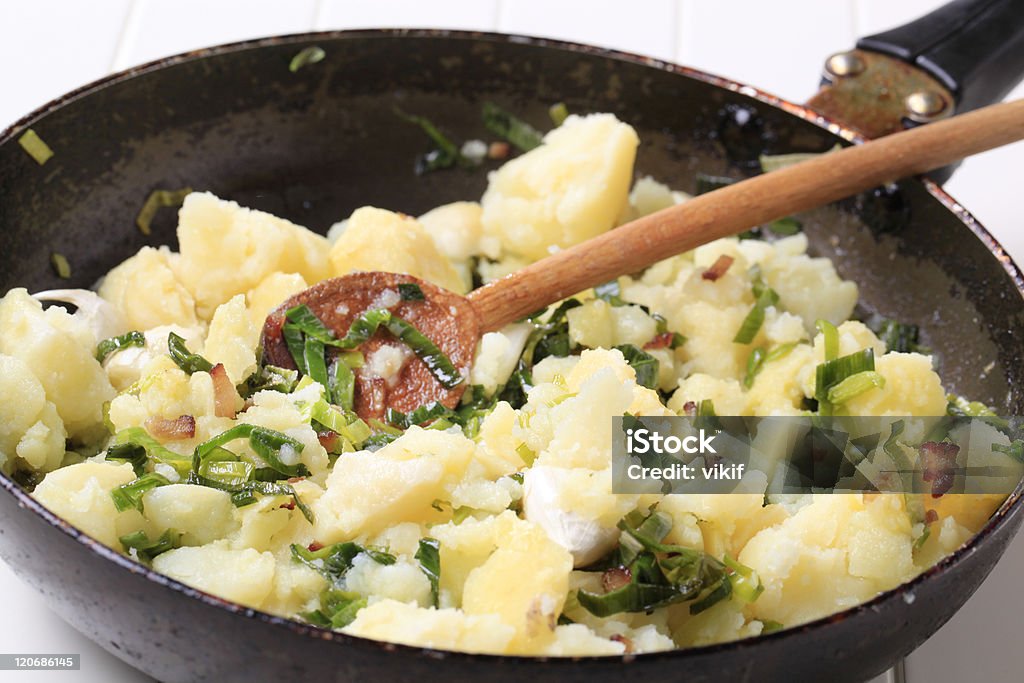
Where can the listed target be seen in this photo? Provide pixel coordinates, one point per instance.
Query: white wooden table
(48, 47)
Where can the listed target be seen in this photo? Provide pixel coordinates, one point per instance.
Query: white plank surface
(50, 46)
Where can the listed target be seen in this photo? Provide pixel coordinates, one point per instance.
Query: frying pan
(315, 144)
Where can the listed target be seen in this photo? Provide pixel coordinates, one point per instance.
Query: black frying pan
(313, 145)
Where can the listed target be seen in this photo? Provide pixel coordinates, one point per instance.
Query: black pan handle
(975, 48)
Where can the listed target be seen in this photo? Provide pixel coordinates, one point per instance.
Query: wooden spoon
(455, 323)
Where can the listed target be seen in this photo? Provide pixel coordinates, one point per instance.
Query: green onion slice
(189, 362)
(306, 56)
(34, 145)
(429, 557)
(115, 344)
(506, 125)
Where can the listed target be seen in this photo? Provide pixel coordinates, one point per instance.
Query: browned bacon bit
(718, 268)
(618, 638)
(180, 429)
(615, 578)
(498, 150)
(931, 516)
(295, 480)
(690, 408)
(660, 341)
(290, 505)
(329, 440)
(314, 546)
(224, 393)
(938, 461)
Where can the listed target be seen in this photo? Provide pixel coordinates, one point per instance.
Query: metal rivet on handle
(925, 105)
(844, 64)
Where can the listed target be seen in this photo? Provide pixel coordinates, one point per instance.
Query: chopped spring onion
(831, 337)
(246, 496)
(854, 386)
(425, 413)
(341, 383)
(769, 626)
(710, 183)
(1015, 450)
(138, 436)
(773, 162)
(897, 336)
(61, 265)
(131, 453)
(429, 557)
(302, 320)
(269, 378)
(644, 365)
(337, 609)
(745, 582)
(611, 292)
(786, 227)
(270, 445)
(130, 495)
(509, 127)
(959, 406)
(34, 145)
(760, 356)
(445, 154)
(147, 549)
(159, 199)
(832, 372)
(558, 113)
(227, 475)
(659, 574)
(751, 324)
(410, 291)
(189, 362)
(334, 561)
(309, 55)
(115, 344)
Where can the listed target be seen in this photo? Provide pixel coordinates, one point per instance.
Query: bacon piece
(328, 439)
(225, 396)
(931, 516)
(179, 429)
(290, 505)
(938, 462)
(719, 268)
(615, 578)
(314, 546)
(690, 408)
(619, 638)
(660, 341)
(498, 150)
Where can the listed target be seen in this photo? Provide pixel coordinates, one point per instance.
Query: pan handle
(974, 48)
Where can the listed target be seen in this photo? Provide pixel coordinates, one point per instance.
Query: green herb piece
(424, 413)
(923, 538)
(341, 384)
(786, 227)
(509, 127)
(269, 378)
(558, 113)
(61, 266)
(410, 291)
(659, 574)
(1015, 450)
(334, 561)
(131, 453)
(854, 386)
(429, 557)
(147, 549)
(301, 319)
(759, 357)
(769, 626)
(773, 162)
(306, 56)
(899, 337)
(445, 154)
(159, 199)
(227, 475)
(644, 365)
(611, 292)
(115, 344)
(189, 362)
(755, 318)
(831, 337)
(337, 609)
(709, 183)
(130, 495)
(138, 436)
(831, 373)
(34, 145)
(745, 582)
(247, 495)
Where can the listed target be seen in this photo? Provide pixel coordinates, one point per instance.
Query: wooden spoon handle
(738, 207)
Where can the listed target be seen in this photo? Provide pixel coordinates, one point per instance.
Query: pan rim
(999, 518)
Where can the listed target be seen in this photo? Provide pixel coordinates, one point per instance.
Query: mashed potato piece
(486, 529)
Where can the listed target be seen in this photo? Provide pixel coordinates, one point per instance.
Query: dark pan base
(313, 145)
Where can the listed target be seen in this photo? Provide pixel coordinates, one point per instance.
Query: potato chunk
(147, 291)
(379, 240)
(227, 250)
(31, 432)
(571, 188)
(58, 349)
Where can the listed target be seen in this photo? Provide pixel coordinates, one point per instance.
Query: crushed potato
(516, 506)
